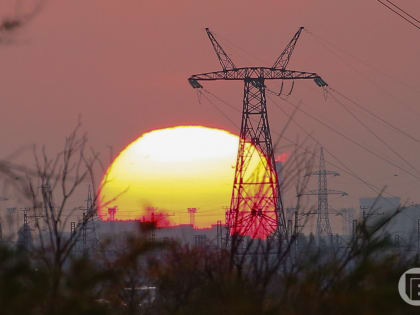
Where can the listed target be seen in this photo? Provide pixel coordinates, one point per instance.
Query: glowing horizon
(166, 171)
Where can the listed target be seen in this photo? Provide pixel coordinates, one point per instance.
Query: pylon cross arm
(255, 73)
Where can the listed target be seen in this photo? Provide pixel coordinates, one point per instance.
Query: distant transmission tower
(111, 213)
(256, 207)
(323, 227)
(87, 226)
(26, 230)
(192, 212)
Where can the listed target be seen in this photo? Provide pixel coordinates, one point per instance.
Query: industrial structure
(192, 212)
(323, 226)
(256, 207)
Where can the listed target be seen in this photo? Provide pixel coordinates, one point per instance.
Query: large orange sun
(164, 172)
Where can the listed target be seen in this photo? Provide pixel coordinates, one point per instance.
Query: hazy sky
(123, 66)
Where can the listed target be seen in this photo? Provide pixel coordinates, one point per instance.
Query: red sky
(123, 66)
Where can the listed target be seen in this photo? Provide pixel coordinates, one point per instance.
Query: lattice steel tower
(256, 207)
(323, 226)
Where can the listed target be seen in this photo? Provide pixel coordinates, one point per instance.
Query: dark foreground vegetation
(148, 277)
(47, 273)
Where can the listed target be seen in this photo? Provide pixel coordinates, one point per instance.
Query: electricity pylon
(89, 237)
(256, 207)
(323, 226)
(192, 212)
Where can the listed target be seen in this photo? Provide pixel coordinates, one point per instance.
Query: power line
(405, 12)
(219, 110)
(369, 112)
(333, 47)
(375, 134)
(350, 139)
(344, 168)
(374, 115)
(399, 14)
(241, 49)
(341, 165)
(221, 100)
(369, 79)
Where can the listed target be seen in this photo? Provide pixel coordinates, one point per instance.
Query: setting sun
(164, 172)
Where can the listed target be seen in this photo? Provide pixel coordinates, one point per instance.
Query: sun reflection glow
(166, 171)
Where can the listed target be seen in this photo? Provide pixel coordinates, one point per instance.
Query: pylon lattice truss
(323, 226)
(256, 208)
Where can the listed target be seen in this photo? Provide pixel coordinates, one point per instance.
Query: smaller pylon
(87, 225)
(219, 234)
(192, 212)
(323, 227)
(112, 212)
(24, 233)
(26, 228)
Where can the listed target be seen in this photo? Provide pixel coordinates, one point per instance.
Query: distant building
(378, 206)
(404, 229)
(183, 233)
(348, 215)
(200, 240)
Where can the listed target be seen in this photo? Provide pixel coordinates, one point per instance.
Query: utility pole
(88, 231)
(47, 202)
(368, 212)
(290, 228)
(192, 212)
(111, 213)
(296, 223)
(1, 221)
(72, 229)
(354, 228)
(296, 232)
(26, 229)
(27, 236)
(323, 227)
(219, 234)
(14, 219)
(256, 207)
